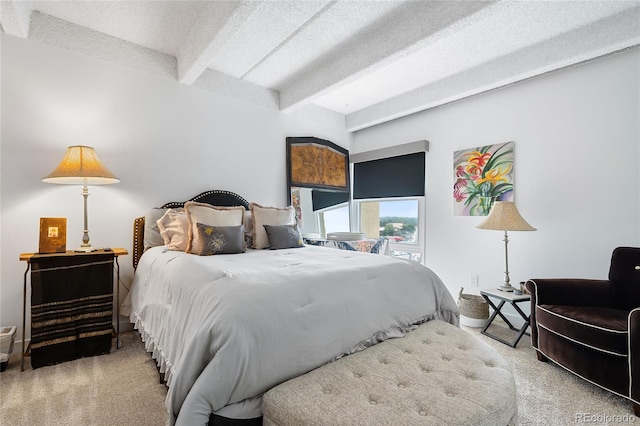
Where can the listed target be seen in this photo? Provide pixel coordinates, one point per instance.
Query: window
(333, 219)
(397, 220)
(388, 197)
(320, 211)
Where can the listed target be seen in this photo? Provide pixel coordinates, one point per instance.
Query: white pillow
(269, 216)
(174, 228)
(207, 214)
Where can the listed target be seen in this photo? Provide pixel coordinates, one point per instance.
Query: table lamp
(504, 216)
(81, 166)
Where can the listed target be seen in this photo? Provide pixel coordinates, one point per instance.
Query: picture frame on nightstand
(53, 235)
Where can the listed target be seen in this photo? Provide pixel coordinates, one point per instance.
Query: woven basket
(473, 306)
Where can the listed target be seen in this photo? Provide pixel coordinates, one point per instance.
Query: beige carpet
(550, 395)
(118, 389)
(122, 389)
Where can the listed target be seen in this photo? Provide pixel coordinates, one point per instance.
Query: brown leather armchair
(592, 327)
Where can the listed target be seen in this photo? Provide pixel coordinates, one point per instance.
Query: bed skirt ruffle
(150, 345)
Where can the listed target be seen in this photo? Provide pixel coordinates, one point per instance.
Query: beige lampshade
(81, 166)
(504, 216)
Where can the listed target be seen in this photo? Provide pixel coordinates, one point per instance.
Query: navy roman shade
(399, 176)
(323, 199)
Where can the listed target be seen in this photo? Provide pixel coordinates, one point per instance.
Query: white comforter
(227, 328)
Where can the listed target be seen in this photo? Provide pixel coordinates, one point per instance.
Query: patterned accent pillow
(209, 215)
(284, 236)
(220, 239)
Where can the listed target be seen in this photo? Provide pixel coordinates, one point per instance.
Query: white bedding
(227, 328)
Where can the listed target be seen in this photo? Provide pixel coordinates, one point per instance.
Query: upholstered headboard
(215, 197)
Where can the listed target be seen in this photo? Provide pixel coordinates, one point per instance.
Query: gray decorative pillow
(220, 239)
(210, 215)
(268, 216)
(283, 236)
(152, 236)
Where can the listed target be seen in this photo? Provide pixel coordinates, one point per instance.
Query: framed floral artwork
(482, 176)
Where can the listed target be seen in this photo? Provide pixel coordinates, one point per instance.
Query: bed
(226, 328)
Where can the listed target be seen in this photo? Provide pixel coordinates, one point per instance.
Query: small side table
(513, 300)
(72, 284)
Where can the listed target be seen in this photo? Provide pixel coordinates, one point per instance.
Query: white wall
(165, 141)
(576, 133)
(577, 150)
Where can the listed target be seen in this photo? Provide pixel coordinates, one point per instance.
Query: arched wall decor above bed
(317, 180)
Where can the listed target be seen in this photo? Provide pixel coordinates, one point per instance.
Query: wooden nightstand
(71, 305)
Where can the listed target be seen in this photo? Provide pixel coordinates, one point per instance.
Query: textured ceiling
(357, 62)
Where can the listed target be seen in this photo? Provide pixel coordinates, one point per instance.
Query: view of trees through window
(395, 220)
(398, 229)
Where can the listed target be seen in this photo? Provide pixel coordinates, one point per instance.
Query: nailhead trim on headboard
(215, 197)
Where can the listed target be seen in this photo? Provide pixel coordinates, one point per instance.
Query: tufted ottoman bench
(437, 374)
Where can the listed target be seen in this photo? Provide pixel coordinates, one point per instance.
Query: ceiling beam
(14, 17)
(270, 26)
(227, 85)
(411, 26)
(603, 37)
(217, 24)
(94, 44)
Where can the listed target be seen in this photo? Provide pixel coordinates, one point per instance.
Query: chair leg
(541, 357)
(636, 409)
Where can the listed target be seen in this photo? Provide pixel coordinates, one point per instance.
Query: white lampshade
(504, 216)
